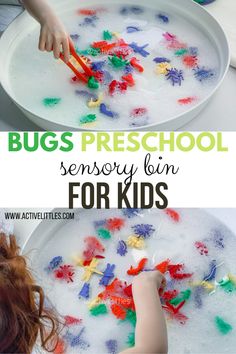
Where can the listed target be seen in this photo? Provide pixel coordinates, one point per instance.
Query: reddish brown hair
(23, 318)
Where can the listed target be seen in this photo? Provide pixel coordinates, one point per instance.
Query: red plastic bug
(173, 214)
(202, 248)
(139, 268)
(114, 224)
(65, 272)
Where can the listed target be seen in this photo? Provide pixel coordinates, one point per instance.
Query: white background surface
(204, 179)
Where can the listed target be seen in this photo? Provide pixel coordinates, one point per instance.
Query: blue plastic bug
(75, 37)
(121, 248)
(212, 272)
(143, 230)
(193, 51)
(175, 76)
(112, 346)
(54, 263)
(197, 296)
(98, 65)
(107, 77)
(99, 223)
(136, 10)
(77, 340)
(139, 49)
(107, 274)
(86, 94)
(163, 18)
(218, 238)
(132, 29)
(104, 110)
(128, 69)
(131, 212)
(89, 21)
(202, 74)
(84, 292)
(159, 60)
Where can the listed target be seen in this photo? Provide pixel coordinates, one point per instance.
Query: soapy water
(204, 287)
(180, 65)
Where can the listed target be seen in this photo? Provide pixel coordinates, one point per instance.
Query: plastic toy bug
(107, 274)
(175, 76)
(203, 74)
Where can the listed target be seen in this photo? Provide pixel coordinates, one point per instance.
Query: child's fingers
(56, 48)
(163, 283)
(49, 43)
(42, 40)
(66, 49)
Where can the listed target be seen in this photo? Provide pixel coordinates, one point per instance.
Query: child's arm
(53, 35)
(150, 333)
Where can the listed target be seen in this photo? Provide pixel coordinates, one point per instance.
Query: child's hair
(22, 315)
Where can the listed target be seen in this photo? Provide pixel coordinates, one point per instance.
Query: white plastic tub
(188, 9)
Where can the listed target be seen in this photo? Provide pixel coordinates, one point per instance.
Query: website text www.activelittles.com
(30, 215)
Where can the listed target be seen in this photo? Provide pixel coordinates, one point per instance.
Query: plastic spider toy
(218, 239)
(202, 74)
(175, 76)
(193, 51)
(121, 248)
(143, 230)
(89, 21)
(112, 346)
(75, 37)
(135, 10)
(77, 340)
(131, 212)
(98, 65)
(162, 17)
(65, 272)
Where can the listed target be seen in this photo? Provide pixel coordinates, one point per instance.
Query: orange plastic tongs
(87, 71)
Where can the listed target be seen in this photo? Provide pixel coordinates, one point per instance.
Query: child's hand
(153, 277)
(53, 37)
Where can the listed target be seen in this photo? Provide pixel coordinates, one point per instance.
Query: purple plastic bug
(139, 49)
(107, 274)
(212, 272)
(202, 74)
(112, 346)
(164, 18)
(161, 60)
(121, 248)
(131, 212)
(89, 21)
(54, 263)
(77, 340)
(84, 292)
(143, 230)
(175, 76)
(104, 110)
